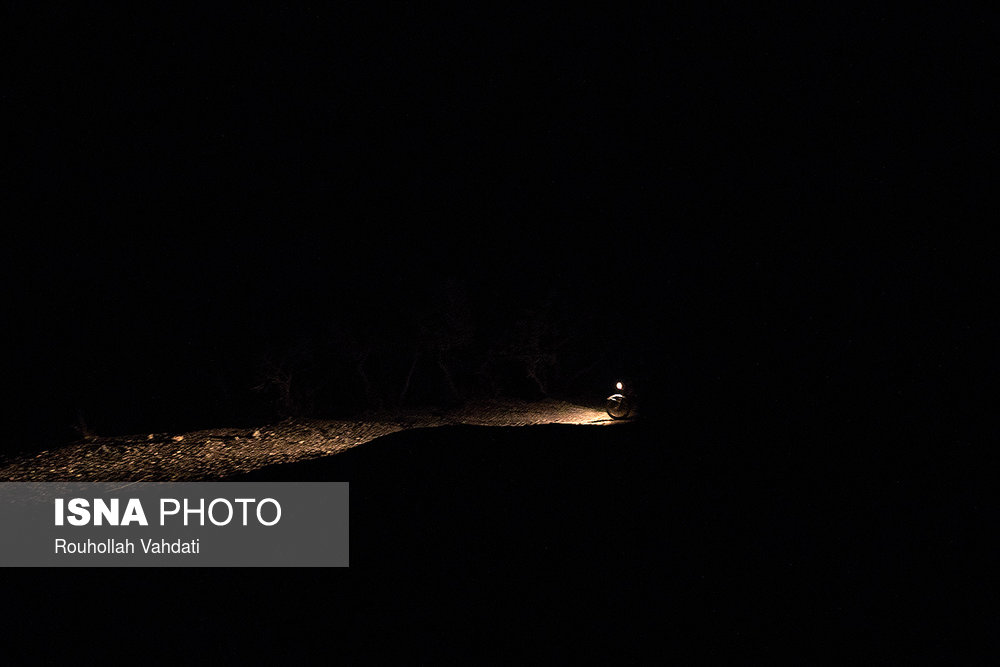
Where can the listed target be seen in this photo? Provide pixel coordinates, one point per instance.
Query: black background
(762, 214)
(196, 193)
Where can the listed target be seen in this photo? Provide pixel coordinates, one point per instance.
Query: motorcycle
(619, 405)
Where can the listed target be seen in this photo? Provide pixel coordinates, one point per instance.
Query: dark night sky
(191, 193)
(188, 192)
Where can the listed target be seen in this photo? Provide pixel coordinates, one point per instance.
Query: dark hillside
(488, 497)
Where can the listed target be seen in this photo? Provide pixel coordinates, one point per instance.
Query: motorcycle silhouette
(621, 404)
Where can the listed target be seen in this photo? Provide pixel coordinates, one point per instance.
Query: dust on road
(218, 453)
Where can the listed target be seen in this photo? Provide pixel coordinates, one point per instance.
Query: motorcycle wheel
(618, 406)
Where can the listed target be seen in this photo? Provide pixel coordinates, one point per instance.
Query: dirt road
(218, 453)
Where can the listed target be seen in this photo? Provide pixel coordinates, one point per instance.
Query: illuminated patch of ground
(218, 453)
